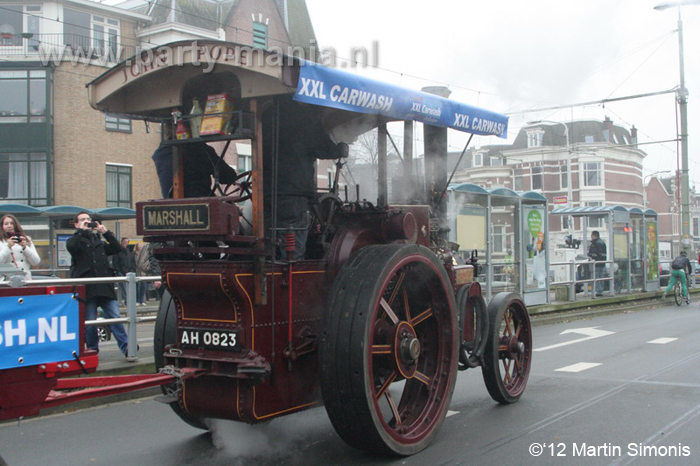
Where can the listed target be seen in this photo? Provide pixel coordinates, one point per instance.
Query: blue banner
(38, 329)
(329, 87)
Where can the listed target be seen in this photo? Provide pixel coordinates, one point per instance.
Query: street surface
(611, 390)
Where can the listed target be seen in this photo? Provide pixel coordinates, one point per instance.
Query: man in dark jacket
(293, 138)
(89, 254)
(598, 252)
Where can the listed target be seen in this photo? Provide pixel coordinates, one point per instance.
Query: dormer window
(535, 138)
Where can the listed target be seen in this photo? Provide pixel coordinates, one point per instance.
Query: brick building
(54, 148)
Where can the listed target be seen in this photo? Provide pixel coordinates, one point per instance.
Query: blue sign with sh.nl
(38, 329)
(329, 87)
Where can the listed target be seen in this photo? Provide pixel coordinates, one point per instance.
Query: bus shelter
(507, 231)
(51, 226)
(632, 245)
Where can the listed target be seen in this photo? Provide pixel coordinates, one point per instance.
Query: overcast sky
(514, 55)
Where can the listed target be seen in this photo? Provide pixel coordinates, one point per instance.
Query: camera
(17, 238)
(92, 224)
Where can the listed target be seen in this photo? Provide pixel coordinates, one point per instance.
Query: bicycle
(678, 293)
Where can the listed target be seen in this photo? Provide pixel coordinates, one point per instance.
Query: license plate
(209, 339)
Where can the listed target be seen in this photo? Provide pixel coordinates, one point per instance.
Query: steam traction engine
(377, 319)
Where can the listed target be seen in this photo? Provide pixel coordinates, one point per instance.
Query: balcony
(53, 48)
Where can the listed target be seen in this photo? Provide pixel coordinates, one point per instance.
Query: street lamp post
(682, 97)
(569, 190)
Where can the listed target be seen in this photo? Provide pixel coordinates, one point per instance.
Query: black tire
(508, 352)
(374, 344)
(678, 292)
(165, 333)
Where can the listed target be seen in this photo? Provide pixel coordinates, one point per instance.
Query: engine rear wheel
(389, 349)
(508, 352)
(165, 334)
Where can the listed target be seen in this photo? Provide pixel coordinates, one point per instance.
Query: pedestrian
(598, 252)
(143, 269)
(679, 267)
(89, 259)
(16, 247)
(123, 262)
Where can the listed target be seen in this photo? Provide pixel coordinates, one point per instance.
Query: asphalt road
(611, 390)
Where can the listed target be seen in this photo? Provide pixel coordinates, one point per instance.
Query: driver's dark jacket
(89, 255)
(200, 164)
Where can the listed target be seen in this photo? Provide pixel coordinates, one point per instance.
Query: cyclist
(679, 266)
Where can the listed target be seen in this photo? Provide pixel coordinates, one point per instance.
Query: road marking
(578, 367)
(662, 341)
(590, 332)
(451, 413)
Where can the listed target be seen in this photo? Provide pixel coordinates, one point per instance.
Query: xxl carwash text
(354, 97)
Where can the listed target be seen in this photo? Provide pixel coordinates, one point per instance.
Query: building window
(89, 35)
(536, 177)
(564, 177)
(535, 138)
(23, 96)
(23, 178)
(499, 238)
(478, 159)
(592, 174)
(118, 186)
(565, 222)
(518, 179)
(259, 35)
(19, 26)
(696, 227)
(122, 125)
(595, 221)
(495, 161)
(245, 160)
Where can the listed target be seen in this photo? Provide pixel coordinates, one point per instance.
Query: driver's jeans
(677, 275)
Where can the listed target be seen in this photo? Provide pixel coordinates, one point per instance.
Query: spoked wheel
(508, 352)
(389, 349)
(678, 292)
(165, 333)
(241, 189)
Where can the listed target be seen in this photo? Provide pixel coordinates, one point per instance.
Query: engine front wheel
(508, 352)
(165, 334)
(389, 349)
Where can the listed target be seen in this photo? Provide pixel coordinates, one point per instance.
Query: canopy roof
(601, 210)
(67, 211)
(149, 85)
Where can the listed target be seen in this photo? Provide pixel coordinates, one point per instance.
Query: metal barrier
(590, 265)
(131, 318)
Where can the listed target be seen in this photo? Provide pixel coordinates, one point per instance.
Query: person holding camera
(16, 247)
(89, 253)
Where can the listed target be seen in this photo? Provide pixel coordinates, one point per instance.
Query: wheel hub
(407, 349)
(410, 349)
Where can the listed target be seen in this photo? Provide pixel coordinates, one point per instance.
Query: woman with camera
(16, 247)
